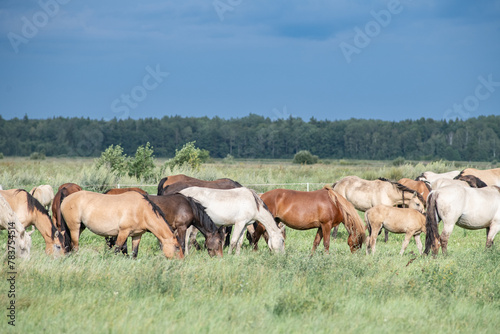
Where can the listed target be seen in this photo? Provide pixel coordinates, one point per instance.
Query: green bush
(142, 165)
(114, 159)
(189, 155)
(229, 159)
(1, 155)
(37, 156)
(305, 157)
(398, 161)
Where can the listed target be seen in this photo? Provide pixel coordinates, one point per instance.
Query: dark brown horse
(321, 209)
(175, 183)
(63, 191)
(117, 191)
(182, 212)
(473, 181)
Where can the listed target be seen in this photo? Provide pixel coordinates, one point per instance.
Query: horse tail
(160, 186)
(431, 224)
(66, 233)
(200, 213)
(352, 221)
(368, 224)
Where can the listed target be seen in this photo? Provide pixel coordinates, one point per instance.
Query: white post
(118, 185)
(307, 186)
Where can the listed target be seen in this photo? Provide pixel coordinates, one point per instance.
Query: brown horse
(423, 188)
(182, 212)
(175, 183)
(181, 181)
(63, 191)
(321, 209)
(128, 214)
(31, 212)
(117, 191)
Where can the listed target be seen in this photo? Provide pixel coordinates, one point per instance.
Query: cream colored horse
(410, 221)
(469, 208)
(239, 207)
(31, 212)
(128, 214)
(19, 240)
(44, 194)
(431, 176)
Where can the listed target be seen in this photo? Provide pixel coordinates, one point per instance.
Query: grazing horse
(321, 209)
(364, 194)
(128, 214)
(490, 177)
(117, 191)
(175, 183)
(469, 208)
(410, 221)
(44, 194)
(239, 207)
(423, 188)
(19, 239)
(30, 212)
(431, 176)
(182, 212)
(63, 191)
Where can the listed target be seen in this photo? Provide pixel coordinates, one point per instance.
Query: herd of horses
(223, 211)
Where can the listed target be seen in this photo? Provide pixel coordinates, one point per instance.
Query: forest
(254, 136)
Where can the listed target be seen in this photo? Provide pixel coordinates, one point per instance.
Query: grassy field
(96, 291)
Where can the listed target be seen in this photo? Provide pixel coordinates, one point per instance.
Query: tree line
(254, 136)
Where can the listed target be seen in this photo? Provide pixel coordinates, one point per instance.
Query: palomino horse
(321, 209)
(239, 207)
(19, 240)
(44, 194)
(117, 191)
(410, 221)
(421, 187)
(364, 194)
(469, 208)
(63, 191)
(431, 176)
(128, 214)
(182, 212)
(491, 177)
(30, 212)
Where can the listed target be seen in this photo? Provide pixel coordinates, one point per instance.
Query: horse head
(214, 242)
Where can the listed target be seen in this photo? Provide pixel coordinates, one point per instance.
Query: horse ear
(56, 234)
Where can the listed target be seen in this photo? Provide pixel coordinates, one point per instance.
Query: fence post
(118, 185)
(307, 186)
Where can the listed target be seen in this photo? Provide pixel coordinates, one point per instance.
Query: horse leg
(373, 238)
(258, 231)
(235, 238)
(317, 240)
(492, 231)
(120, 240)
(418, 242)
(227, 242)
(181, 234)
(445, 235)
(135, 245)
(326, 228)
(386, 238)
(406, 241)
(335, 232)
(192, 239)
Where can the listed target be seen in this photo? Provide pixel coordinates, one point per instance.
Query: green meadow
(96, 291)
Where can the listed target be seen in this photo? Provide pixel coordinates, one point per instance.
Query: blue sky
(389, 60)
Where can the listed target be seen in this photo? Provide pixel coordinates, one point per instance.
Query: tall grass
(99, 292)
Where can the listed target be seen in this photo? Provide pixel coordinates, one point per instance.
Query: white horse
(21, 240)
(410, 221)
(239, 207)
(44, 194)
(469, 208)
(431, 176)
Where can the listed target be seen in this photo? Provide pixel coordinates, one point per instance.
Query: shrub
(114, 159)
(398, 161)
(37, 156)
(1, 155)
(305, 157)
(189, 155)
(229, 159)
(142, 165)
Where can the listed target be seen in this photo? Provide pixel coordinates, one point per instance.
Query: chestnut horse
(63, 191)
(19, 240)
(30, 212)
(321, 209)
(128, 214)
(423, 188)
(182, 212)
(117, 191)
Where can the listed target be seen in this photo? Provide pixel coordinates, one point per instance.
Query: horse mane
(403, 188)
(258, 201)
(427, 185)
(200, 212)
(157, 211)
(236, 184)
(33, 191)
(459, 175)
